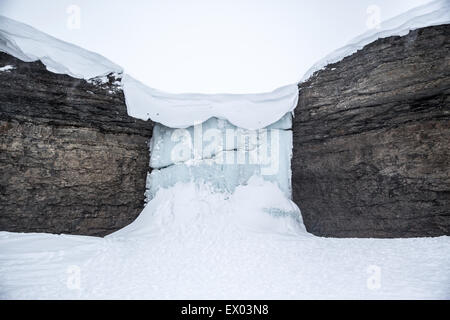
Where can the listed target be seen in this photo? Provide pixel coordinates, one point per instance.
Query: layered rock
(372, 140)
(71, 160)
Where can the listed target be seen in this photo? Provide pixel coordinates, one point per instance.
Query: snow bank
(260, 110)
(257, 205)
(430, 14)
(193, 243)
(248, 111)
(28, 44)
(252, 111)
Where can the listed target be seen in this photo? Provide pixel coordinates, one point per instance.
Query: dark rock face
(372, 141)
(71, 160)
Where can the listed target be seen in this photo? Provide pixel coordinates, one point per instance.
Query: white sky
(234, 46)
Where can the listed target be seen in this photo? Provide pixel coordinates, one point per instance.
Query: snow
(431, 14)
(248, 111)
(251, 111)
(28, 44)
(7, 68)
(193, 243)
(221, 154)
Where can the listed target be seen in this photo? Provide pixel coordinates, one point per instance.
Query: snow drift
(248, 111)
(192, 243)
(252, 111)
(28, 44)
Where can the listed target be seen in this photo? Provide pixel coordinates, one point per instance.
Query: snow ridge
(247, 111)
(431, 14)
(29, 44)
(252, 111)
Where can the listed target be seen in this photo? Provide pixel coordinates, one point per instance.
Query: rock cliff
(372, 140)
(371, 152)
(71, 160)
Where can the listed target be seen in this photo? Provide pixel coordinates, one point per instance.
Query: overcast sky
(208, 46)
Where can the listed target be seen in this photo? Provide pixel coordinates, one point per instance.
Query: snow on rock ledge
(248, 111)
(431, 14)
(252, 111)
(29, 44)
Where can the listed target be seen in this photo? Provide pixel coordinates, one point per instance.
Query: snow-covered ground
(192, 243)
(28, 44)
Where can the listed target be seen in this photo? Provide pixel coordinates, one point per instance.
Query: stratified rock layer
(71, 159)
(372, 140)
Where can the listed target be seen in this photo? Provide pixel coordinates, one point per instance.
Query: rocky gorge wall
(371, 150)
(71, 160)
(372, 140)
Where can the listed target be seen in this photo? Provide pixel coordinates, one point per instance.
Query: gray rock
(372, 141)
(71, 160)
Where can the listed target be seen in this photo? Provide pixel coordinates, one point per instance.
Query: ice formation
(221, 154)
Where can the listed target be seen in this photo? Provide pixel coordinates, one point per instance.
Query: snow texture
(28, 44)
(193, 243)
(251, 111)
(431, 14)
(248, 111)
(7, 68)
